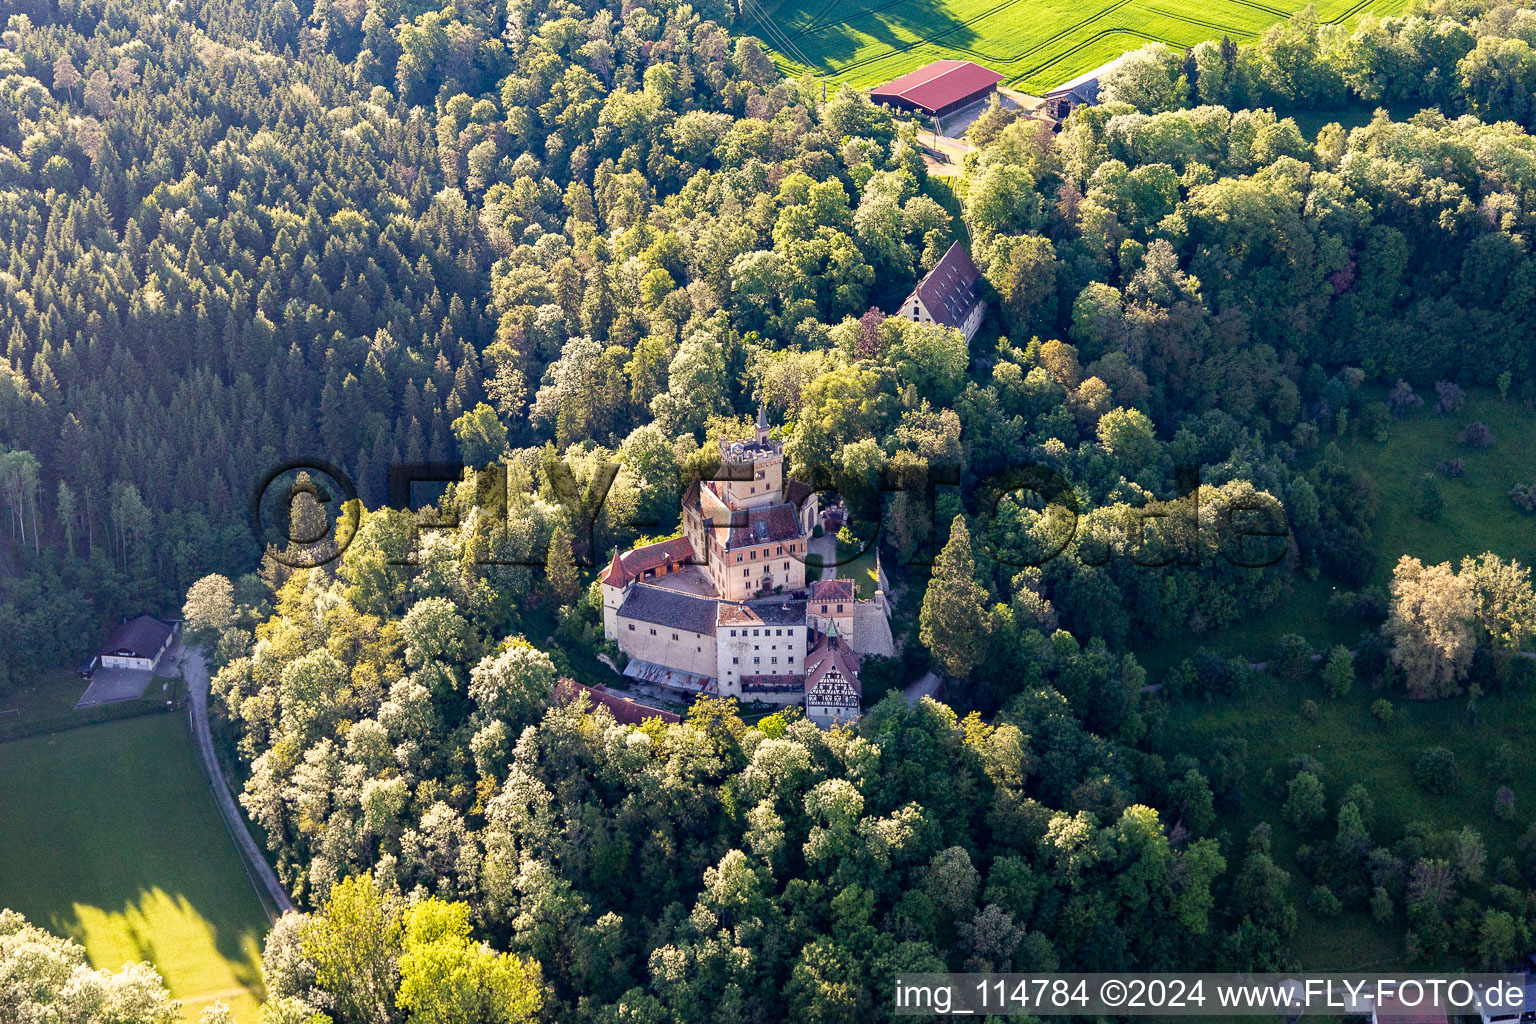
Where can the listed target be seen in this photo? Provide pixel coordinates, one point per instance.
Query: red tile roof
(631, 565)
(832, 590)
(830, 667)
(625, 711)
(939, 84)
(949, 291)
(832, 653)
(762, 526)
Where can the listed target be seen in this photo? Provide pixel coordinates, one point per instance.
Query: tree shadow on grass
(194, 954)
(833, 35)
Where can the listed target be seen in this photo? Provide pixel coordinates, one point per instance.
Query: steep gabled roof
(762, 526)
(835, 659)
(631, 565)
(795, 493)
(1086, 85)
(832, 590)
(137, 638)
(949, 291)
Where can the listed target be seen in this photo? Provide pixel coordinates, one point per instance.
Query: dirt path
(264, 878)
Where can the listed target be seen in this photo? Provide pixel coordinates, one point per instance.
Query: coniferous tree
(953, 618)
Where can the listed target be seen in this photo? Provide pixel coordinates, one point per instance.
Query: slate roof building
(941, 88)
(949, 294)
(725, 609)
(137, 643)
(1076, 92)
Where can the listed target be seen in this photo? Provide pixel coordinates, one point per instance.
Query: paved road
(196, 674)
(826, 547)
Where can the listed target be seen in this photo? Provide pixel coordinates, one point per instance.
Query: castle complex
(725, 610)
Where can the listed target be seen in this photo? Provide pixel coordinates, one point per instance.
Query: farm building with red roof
(941, 88)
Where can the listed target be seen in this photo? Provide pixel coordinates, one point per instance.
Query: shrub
(1381, 906)
(1452, 397)
(1475, 435)
(1383, 711)
(1451, 467)
(1436, 770)
(1430, 502)
(1524, 497)
(1291, 656)
(1401, 398)
(1322, 901)
(1305, 804)
(1309, 710)
(1339, 671)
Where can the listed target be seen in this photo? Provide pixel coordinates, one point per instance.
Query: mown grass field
(108, 835)
(1345, 737)
(1036, 44)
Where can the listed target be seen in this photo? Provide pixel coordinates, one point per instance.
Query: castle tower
(752, 471)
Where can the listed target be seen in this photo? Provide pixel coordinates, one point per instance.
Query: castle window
(735, 661)
(653, 632)
(757, 661)
(839, 609)
(791, 659)
(745, 572)
(756, 633)
(823, 609)
(786, 566)
(775, 661)
(674, 636)
(752, 555)
(779, 633)
(733, 632)
(631, 627)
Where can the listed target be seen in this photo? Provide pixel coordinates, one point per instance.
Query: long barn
(941, 88)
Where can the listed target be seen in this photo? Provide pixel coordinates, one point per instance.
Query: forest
(551, 235)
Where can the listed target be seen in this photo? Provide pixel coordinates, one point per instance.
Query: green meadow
(1035, 44)
(1344, 736)
(108, 835)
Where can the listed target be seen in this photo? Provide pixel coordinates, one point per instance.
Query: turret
(762, 423)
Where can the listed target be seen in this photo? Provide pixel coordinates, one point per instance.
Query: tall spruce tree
(954, 615)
